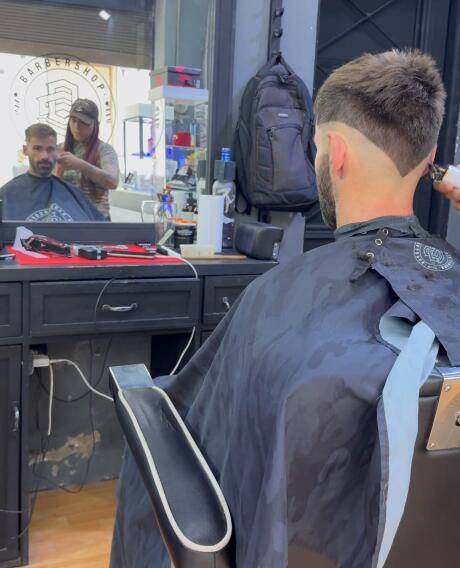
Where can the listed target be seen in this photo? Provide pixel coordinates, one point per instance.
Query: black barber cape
(51, 199)
(285, 400)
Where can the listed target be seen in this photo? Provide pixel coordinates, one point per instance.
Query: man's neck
(31, 173)
(363, 208)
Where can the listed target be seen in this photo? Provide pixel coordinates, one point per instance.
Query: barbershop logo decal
(45, 87)
(432, 258)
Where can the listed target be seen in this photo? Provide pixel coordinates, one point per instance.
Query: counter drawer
(69, 307)
(220, 293)
(10, 309)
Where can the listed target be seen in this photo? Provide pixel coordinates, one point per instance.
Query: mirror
(105, 106)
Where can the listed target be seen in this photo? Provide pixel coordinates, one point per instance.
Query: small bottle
(224, 184)
(201, 178)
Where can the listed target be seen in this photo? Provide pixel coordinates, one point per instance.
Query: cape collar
(402, 226)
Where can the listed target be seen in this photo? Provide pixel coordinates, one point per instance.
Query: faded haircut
(396, 99)
(39, 131)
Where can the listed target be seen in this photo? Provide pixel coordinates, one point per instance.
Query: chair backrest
(428, 534)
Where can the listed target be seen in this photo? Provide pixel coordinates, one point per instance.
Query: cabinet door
(220, 292)
(10, 375)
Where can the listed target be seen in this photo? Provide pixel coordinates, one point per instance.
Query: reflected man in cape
(38, 195)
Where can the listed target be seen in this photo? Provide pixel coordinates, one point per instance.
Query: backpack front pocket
(290, 170)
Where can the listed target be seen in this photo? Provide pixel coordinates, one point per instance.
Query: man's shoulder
(302, 271)
(58, 181)
(18, 181)
(308, 261)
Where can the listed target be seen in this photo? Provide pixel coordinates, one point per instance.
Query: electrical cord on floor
(44, 449)
(175, 254)
(50, 399)
(51, 391)
(91, 389)
(87, 391)
(82, 376)
(192, 335)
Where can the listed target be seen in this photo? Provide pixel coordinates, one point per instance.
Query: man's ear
(24, 149)
(337, 153)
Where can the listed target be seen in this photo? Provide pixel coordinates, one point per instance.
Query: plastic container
(224, 172)
(184, 233)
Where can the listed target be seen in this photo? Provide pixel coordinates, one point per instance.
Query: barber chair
(193, 517)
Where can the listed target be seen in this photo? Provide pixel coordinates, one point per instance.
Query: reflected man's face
(42, 154)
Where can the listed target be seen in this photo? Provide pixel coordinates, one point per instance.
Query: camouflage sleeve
(109, 160)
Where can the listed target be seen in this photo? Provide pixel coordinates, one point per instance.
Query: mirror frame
(221, 56)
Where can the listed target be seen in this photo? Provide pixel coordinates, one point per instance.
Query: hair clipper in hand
(449, 174)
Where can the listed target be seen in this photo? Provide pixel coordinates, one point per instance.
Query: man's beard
(42, 168)
(326, 193)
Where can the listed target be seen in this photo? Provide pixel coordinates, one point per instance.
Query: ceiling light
(105, 15)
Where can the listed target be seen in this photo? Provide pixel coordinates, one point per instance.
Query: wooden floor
(73, 531)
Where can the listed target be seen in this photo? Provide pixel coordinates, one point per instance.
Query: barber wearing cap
(87, 161)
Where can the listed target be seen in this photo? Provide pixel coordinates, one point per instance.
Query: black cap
(85, 109)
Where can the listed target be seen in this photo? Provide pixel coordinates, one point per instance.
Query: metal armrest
(190, 508)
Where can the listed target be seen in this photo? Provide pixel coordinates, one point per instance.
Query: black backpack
(273, 147)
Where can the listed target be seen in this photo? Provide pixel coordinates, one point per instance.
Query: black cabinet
(124, 314)
(10, 374)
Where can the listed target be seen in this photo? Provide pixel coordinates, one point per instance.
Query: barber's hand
(58, 170)
(450, 191)
(67, 161)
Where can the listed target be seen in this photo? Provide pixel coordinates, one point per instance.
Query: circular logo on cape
(45, 88)
(432, 258)
(52, 214)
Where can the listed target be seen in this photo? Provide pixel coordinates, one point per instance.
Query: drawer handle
(226, 302)
(108, 308)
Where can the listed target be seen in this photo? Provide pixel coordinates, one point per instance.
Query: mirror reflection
(107, 118)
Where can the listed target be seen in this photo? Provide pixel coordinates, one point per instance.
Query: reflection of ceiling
(40, 28)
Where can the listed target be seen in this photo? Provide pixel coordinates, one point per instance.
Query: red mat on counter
(57, 260)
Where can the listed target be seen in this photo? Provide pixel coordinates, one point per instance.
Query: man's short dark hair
(39, 131)
(396, 99)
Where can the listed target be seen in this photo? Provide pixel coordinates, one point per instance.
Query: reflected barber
(86, 161)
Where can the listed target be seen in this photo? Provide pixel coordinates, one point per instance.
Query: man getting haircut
(38, 195)
(289, 399)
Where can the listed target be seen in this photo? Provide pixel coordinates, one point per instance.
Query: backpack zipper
(271, 131)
